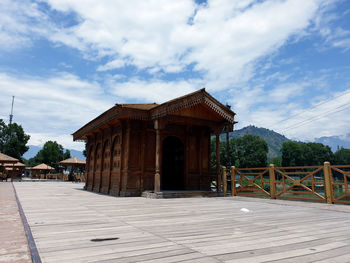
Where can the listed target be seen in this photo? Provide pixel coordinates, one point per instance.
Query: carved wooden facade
(138, 147)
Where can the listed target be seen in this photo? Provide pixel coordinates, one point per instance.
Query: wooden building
(133, 148)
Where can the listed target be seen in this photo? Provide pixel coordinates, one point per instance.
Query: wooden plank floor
(64, 219)
(13, 241)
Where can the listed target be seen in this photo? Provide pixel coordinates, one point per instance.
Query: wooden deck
(64, 219)
(13, 241)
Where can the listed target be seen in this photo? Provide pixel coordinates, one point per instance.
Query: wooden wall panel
(115, 164)
(135, 149)
(105, 167)
(205, 140)
(193, 182)
(126, 130)
(148, 180)
(90, 168)
(193, 154)
(97, 168)
(150, 151)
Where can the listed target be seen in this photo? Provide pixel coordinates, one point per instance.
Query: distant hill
(273, 139)
(33, 150)
(335, 141)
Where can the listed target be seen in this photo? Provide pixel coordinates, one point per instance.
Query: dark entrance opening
(173, 164)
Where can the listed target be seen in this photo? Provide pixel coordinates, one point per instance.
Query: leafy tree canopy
(342, 156)
(305, 154)
(50, 154)
(13, 140)
(247, 151)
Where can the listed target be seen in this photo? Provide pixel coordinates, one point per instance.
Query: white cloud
(223, 39)
(285, 92)
(324, 117)
(20, 22)
(39, 139)
(55, 106)
(152, 90)
(117, 63)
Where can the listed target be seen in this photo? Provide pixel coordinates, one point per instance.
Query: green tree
(342, 156)
(13, 140)
(251, 151)
(291, 154)
(247, 151)
(277, 161)
(305, 154)
(50, 154)
(318, 154)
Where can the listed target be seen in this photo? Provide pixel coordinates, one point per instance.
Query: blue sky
(282, 65)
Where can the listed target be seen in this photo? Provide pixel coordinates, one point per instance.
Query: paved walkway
(13, 241)
(72, 225)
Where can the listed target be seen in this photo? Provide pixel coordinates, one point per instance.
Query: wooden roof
(72, 161)
(18, 164)
(7, 159)
(139, 106)
(152, 111)
(42, 166)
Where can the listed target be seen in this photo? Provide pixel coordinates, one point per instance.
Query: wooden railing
(80, 177)
(327, 183)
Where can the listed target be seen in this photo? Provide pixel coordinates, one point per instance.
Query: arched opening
(173, 164)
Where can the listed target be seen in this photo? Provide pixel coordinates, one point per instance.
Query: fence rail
(327, 183)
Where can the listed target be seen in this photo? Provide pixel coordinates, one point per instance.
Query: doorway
(173, 164)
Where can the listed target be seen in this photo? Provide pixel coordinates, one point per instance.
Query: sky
(281, 64)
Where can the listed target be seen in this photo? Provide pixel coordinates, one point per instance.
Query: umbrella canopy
(72, 161)
(42, 167)
(7, 159)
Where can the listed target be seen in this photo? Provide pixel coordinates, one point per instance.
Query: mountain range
(275, 140)
(33, 150)
(335, 142)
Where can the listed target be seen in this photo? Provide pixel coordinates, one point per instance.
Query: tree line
(51, 154)
(251, 151)
(13, 141)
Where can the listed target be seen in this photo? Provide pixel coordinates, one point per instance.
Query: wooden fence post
(224, 180)
(272, 181)
(233, 181)
(327, 182)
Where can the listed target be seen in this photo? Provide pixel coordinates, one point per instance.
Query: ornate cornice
(167, 108)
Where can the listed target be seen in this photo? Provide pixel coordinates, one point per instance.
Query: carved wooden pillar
(94, 168)
(88, 162)
(110, 163)
(143, 148)
(157, 170)
(125, 159)
(199, 147)
(218, 177)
